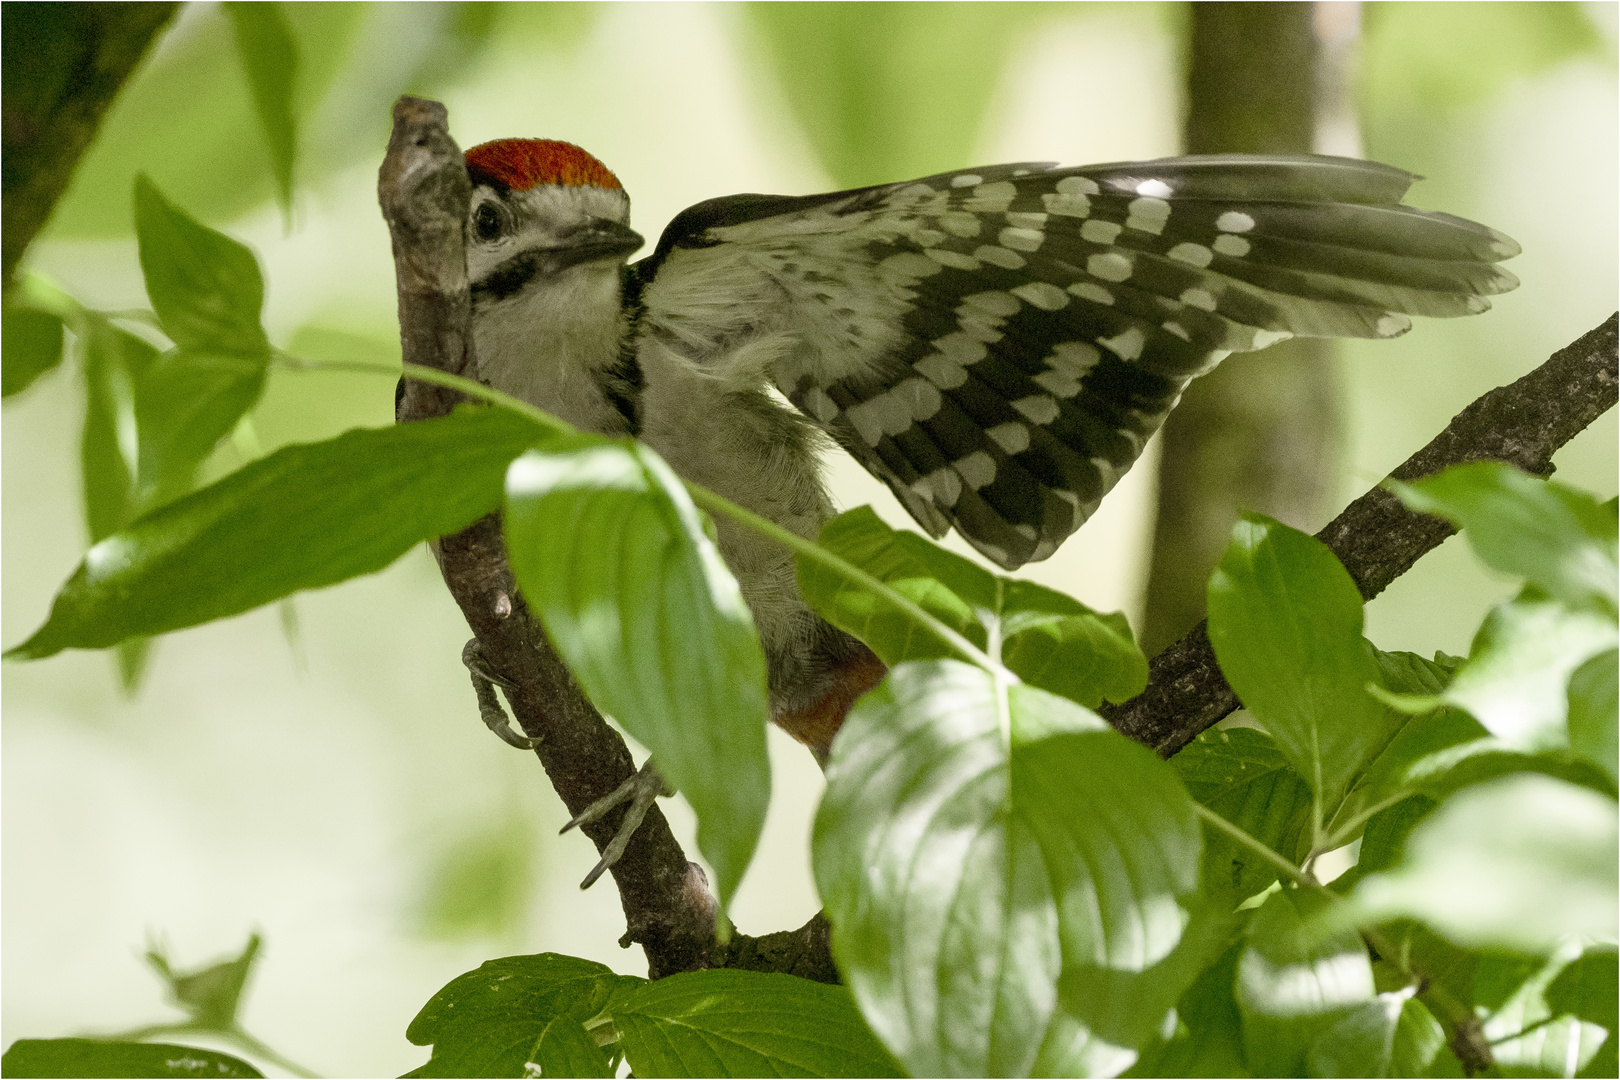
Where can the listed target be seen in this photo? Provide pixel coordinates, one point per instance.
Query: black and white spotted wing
(998, 344)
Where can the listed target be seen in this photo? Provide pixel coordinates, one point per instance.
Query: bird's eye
(487, 222)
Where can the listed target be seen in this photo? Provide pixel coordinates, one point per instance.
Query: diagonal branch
(1378, 539)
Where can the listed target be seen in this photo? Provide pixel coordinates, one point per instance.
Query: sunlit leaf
(1557, 538)
(746, 1023)
(1516, 681)
(301, 518)
(1587, 988)
(1514, 863)
(1529, 1038)
(1293, 987)
(1592, 711)
(977, 839)
(612, 555)
(30, 345)
(519, 1010)
(99, 1057)
(269, 55)
(1048, 639)
(1285, 620)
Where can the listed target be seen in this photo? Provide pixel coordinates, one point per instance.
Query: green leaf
(302, 518)
(1515, 863)
(978, 839)
(30, 345)
(519, 1012)
(746, 1023)
(1048, 639)
(1208, 1040)
(1293, 987)
(212, 994)
(1241, 774)
(1516, 681)
(1592, 711)
(1285, 620)
(1529, 1038)
(1557, 538)
(1587, 988)
(611, 553)
(207, 292)
(269, 55)
(96, 1057)
(1363, 1042)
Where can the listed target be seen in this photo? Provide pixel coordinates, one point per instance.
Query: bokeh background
(317, 771)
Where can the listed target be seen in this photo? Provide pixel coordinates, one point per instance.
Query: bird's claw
(489, 706)
(639, 791)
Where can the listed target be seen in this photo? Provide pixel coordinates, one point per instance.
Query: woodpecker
(996, 344)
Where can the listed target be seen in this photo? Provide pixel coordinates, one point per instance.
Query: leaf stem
(1294, 873)
(702, 496)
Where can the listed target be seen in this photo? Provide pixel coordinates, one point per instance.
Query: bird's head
(543, 213)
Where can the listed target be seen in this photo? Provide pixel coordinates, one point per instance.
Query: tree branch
(423, 189)
(63, 65)
(1378, 539)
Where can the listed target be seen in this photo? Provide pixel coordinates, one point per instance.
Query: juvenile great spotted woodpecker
(995, 344)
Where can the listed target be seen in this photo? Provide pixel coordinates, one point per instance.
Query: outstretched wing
(998, 344)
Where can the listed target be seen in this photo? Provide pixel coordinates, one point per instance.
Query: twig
(1378, 539)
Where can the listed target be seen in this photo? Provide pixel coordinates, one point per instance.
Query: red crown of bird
(521, 164)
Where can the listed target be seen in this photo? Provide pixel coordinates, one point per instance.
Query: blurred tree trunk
(63, 64)
(1262, 431)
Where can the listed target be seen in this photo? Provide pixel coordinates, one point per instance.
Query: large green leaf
(611, 553)
(746, 1023)
(517, 1015)
(269, 55)
(302, 518)
(1285, 620)
(1294, 987)
(1241, 774)
(1515, 863)
(977, 840)
(1516, 681)
(207, 292)
(1047, 639)
(1557, 538)
(1587, 988)
(98, 1057)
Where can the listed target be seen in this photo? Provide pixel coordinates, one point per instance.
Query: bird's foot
(484, 681)
(639, 791)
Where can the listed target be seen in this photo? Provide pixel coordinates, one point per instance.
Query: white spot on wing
(1109, 265)
(1148, 215)
(976, 470)
(1393, 324)
(1026, 220)
(999, 256)
(1040, 408)
(1156, 189)
(821, 406)
(1067, 205)
(961, 348)
(1126, 346)
(960, 223)
(920, 398)
(942, 371)
(1012, 437)
(1234, 221)
(1198, 298)
(1042, 294)
(943, 486)
(1077, 185)
(1090, 290)
(1100, 232)
(1178, 330)
(1263, 338)
(994, 302)
(1227, 244)
(1193, 254)
(953, 259)
(966, 180)
(1021, 239)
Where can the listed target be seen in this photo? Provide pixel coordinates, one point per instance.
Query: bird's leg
(639, 791)
(484, 682)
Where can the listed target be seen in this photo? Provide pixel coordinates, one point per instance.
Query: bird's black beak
(601, 238)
